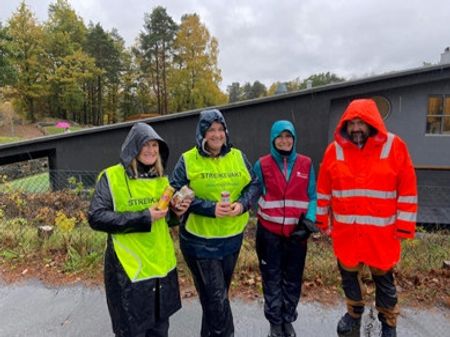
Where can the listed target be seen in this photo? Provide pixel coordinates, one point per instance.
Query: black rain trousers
(282, 262)
(385, 293)
(142, 308)
(212, 278)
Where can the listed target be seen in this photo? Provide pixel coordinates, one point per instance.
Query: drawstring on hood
(207, 117)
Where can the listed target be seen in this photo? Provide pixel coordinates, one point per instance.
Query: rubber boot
(388, 331)
(276, 330)
(349, 326)
(289, 330)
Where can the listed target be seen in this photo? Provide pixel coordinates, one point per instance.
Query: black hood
(140, 134)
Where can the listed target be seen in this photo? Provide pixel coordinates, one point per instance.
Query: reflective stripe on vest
(208, 177)
(321, 196)
(284, 201)
(407, 216)
(364, 193)
(364, 219)
(339, 151)
(371, 193)
(387, 146)
(142, 255)
(280, 203)
(278, 219)
(322, 210)
(407, 199)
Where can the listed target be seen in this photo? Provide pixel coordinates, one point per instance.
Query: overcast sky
(281, 40)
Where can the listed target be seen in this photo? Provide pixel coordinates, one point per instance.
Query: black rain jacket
(133, 307)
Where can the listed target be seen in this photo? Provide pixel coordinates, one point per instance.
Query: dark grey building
(415, 104)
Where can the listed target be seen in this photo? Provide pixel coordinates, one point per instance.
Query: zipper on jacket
(285, 164)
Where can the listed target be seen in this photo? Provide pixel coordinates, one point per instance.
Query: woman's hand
(222, 209)
(157, 214)
(236, 209)
(180, 208)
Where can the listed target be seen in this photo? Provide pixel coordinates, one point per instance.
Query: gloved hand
(304, 229)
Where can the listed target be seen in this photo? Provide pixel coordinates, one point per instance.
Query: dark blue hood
(207, 117)
(277, 128)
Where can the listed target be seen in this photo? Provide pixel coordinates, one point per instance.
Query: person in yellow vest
(140, 273)
(212, 230)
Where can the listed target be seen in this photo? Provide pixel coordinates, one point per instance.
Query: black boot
(276, 330)
(388, 331)
(289, 330)
(348, 326)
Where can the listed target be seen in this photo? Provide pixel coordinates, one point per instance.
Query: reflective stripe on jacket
(284, 202)
(369, 192)
(142, 255)
(208, 177)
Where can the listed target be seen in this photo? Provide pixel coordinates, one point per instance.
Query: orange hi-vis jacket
(368, 195)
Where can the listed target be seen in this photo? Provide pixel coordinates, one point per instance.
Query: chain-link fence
(34, 177)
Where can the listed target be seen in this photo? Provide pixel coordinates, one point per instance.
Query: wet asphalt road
(34, 310)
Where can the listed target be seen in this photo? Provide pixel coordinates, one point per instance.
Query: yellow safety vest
(208, 177)
(142, 255)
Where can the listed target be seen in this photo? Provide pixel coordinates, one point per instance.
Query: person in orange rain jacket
(367, 202)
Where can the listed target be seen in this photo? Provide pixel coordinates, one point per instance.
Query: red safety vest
(367, 195)
(280, 208)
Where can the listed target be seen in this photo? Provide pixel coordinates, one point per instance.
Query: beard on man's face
(358, 137)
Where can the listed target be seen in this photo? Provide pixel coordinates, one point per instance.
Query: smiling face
(215, 138)
(149, 153)
(358, 131)
(284, 141)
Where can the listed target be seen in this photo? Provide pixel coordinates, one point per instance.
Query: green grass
(33, 184)
(53, 130)
(81, 247)
(5, 140)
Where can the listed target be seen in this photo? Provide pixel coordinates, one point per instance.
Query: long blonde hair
(157, 168)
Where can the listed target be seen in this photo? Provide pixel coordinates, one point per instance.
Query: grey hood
(140, 134)
(207, 117)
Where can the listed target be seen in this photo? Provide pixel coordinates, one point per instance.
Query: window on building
(384, 106)
(438, 114)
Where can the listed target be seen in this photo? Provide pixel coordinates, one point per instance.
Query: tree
(156, 47)
(234, 92)
(114, 74)
(322, 79)
(65, 35)
(195, 77)
(7, 73)
(30, 60)
(107, 49)
(247, 91)
(7, 114)
(129, 104)
(315, 80)
(258, 90)
(69, 81)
